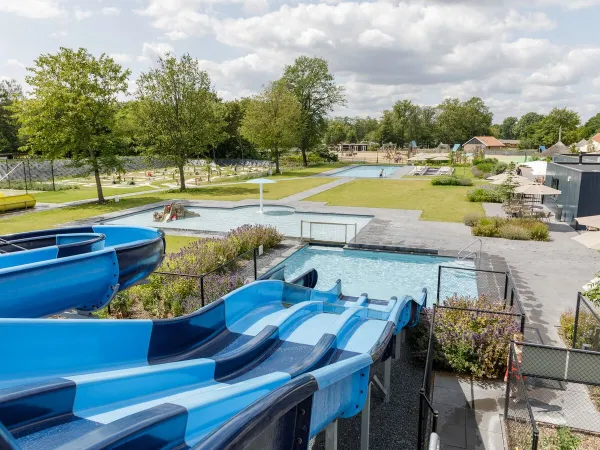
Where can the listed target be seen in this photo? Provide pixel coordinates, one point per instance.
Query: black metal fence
(521, 428)
(586, 326)
(171, 293)
(494, 285)
(553, 395)
(428, 416)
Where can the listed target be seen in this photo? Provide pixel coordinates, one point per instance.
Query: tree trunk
(98, 184)
(304, 159)
(181, 178)
(277, 171)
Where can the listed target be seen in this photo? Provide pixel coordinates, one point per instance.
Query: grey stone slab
(485, 440)
(449, 397)
(483, 421)
(453, 435)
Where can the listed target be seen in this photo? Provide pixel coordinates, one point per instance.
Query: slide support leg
(365, 420)
(331, 436)
(400, 338)
(387, 380)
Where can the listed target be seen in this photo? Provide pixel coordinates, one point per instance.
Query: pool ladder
(477, 253)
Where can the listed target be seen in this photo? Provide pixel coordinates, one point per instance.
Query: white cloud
(375, 38)
(81, 14)
(152, 50)
(110, 11)
(59, 34)
(15, 63)
(33, 9)
(120, 57)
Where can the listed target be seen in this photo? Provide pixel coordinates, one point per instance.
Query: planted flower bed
(228, 262)
(513, 228)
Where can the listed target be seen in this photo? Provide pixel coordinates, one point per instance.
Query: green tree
(273, 120)
(73, 109)
(459, 121)
(427, 126)
(525, 129)
(508, 128)
(407, 121)
(318, 94)
(560, 121)
(592, 126)
(235, 145)
(337, 131)
(387, 128)
(179, 113)
(10, 92)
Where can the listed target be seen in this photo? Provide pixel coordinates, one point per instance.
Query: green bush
(561, 439)
(489, 195)
(450, 180)
(514, 232)
(467, 342)
(586, 329)
(471, 219)
(517, 229)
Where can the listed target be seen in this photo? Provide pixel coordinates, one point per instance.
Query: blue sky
(517, 58)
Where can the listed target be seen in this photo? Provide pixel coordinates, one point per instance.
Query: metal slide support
(331, 436)
(365, 420)
(387, 379)
(400, 339)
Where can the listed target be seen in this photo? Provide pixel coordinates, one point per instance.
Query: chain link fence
(51, 175)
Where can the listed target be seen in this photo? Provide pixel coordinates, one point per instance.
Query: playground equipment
(174, 211)
(50, 271)
(16, 202)
(267, 366)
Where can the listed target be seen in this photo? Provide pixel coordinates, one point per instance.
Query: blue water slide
(50, 271)
(183, 382)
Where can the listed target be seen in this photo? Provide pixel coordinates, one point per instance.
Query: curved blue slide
(50, 271)
(217, 378)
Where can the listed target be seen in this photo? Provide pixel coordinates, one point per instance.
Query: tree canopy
(73, 109)
(273, 120)
(10, 91)
(318, 94)
(178, 112)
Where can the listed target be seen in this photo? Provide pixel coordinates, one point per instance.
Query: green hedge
(489, 195)
(450, 180)
(514, 229)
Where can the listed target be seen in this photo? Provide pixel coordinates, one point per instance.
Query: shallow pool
(366, 171)
(381, 274)
(325, 227)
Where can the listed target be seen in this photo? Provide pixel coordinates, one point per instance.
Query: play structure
(16, 202)
(50, 271)
(267, 366)
(173, 211)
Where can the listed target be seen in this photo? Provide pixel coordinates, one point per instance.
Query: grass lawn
(175, 243)
(438, 203)
(85, 193)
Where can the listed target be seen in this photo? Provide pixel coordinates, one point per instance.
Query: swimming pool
(366, 171)
(286, 219)
(380, 274)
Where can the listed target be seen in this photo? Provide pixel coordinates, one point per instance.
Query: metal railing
(428, 415)
(474, 252)
(521, 427)
(586, 326)
(320, 234)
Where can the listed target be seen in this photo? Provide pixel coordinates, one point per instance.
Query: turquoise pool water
(381, 274)
(366, 171)
(286, 219)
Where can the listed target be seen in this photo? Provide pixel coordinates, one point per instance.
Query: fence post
(508, 369)
(202, 290)
(52, 172)
(574, 344)
(434, 421)
(421, 425)
(438, 284)
(534, 441)
(505, 285)
(522, 322)
(25, 176)
(8, 176)
(255, 251)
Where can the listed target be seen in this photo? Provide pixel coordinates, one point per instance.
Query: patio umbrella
(261, 181)
(440, 158)
(538, 168)
(537, 189)
(591, 239)
(589, 221)
(517, 179)
(420, 158)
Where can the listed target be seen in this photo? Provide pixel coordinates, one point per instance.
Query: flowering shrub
(467, 342)
(171, 295)
(513, 228)
(586, 329)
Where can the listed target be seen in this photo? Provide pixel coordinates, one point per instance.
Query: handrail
(10, 171)
(474, 252)
(3, 241)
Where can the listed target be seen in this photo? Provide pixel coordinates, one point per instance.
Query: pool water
(366, 171)
(286, 219)
(381, 274)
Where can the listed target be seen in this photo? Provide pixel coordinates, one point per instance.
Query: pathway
(314, 191)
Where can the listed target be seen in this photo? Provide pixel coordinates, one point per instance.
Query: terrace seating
(419, 170)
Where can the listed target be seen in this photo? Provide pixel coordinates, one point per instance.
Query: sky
(518, 56)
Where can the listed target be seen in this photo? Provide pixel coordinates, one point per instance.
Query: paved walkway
(469, 412)
(314, 191)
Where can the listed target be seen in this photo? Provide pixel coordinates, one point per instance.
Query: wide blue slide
(50, 271)
(269, 365)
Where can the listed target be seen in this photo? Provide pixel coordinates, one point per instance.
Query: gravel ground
(394, 424)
